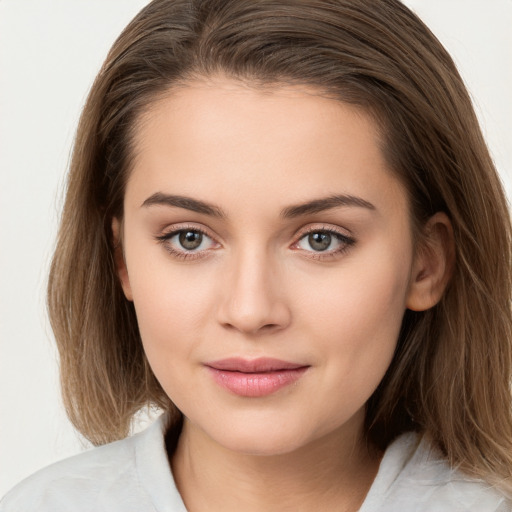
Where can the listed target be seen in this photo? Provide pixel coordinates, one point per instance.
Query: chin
(263, 447)
(261, 440)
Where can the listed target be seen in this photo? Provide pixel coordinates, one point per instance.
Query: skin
(256, 286)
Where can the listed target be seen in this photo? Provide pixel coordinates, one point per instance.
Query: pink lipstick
(255, 377)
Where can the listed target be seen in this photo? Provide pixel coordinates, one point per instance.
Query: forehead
(225, 138)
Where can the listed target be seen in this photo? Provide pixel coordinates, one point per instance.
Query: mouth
(256, 377)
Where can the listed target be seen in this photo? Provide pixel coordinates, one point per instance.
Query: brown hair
(451, 372)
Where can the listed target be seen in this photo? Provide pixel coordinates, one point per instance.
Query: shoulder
(108, 478)
(414, 476)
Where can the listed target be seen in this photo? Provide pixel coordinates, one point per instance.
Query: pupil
(319, 241)
(190, 239)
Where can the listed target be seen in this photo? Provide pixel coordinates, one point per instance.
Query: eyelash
(346, 243)
(165, 238)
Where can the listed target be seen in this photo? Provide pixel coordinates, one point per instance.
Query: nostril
(250, 329)
(252, 306)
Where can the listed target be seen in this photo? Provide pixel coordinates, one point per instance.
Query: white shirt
(133, 475)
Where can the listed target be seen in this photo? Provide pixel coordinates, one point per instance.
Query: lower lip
(256, 384)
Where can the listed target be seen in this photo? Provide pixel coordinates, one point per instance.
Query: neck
(331, 473)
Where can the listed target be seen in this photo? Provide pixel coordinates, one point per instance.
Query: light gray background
(50, 52)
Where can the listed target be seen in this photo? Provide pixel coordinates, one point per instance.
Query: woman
(282, 227)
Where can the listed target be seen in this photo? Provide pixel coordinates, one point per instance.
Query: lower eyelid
(345, 241)
(173, 249)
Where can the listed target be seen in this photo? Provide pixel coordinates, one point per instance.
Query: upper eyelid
(346, 240)
(306, 230)
(165, 239)
(171, 230)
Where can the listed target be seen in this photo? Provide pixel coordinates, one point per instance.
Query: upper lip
(260, 365)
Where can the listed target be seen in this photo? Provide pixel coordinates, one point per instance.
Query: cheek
(174, 304)
(357, 317)
(345, 317)
(169, 301)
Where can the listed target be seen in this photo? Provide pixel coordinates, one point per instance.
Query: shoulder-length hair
(450, 376)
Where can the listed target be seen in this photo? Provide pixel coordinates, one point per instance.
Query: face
(268, 253)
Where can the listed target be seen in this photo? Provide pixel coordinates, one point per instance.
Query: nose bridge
(253, 297)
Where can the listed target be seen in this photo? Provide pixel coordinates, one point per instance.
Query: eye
(187, 242)
(324, 241)
(319, 241)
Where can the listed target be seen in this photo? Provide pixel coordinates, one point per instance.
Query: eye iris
(319, 241)
(190, 239)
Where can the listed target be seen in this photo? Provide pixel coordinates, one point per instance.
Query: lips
(256, 377)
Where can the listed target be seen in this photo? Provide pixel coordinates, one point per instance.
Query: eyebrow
(187, 203)
(314, 206)
(326, 203)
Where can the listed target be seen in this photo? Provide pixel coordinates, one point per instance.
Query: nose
(253, 299)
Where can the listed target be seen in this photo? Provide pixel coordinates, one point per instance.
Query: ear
(433, 264)
(119, 259)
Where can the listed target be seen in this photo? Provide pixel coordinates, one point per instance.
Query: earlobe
(119, 259)
(433, 264)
